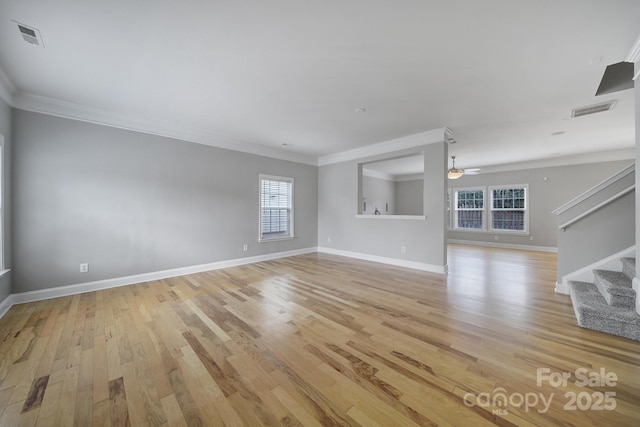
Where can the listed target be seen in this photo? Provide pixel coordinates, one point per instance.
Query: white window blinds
(276, 207)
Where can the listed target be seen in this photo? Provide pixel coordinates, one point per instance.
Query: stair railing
(611, 199)
(596, 224)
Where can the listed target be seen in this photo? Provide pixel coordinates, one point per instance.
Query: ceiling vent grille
(592, 109)
(30, 35)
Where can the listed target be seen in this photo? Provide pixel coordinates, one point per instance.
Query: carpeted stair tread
(593, 312)
(615, 287)
(616, 282)
(629, 267)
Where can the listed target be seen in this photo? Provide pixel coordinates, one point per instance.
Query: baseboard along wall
(505, 245)
(62, 291)
(432, 268)
(80, 288)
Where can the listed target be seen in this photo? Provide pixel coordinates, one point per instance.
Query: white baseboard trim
(5, 305)
(31, 296)
(432, 268)
(562, 288)
(585, 274)
(505, 245)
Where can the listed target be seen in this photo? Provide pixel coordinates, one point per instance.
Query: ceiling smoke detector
(30, 35)
(592, 109)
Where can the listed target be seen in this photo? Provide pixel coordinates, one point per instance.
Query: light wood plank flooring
(319, 340)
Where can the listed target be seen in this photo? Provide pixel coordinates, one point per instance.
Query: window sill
(3, 273)
(503, 232)
(276, 239)
(414, 217)
(509, 232)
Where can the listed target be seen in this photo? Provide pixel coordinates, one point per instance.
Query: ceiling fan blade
(472, 171)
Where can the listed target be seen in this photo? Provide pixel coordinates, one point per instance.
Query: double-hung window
(469, 209)
(503, 209)
(509, 208)
(276, 208)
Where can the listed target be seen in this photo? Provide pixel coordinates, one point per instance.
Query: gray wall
(637, 96)
(378, 194)
(424, 240)
(129, 203)
(606, 231)
(409, 197)
(562, 184)
(5, 130)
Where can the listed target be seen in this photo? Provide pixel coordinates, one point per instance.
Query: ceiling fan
(454, 173)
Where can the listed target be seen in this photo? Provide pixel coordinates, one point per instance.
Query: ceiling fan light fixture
(454, 173)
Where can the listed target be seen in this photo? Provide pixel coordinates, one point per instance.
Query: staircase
(608, 304)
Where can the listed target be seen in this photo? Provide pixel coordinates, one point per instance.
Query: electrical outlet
(530, 237)
(84, 268)
(328, 239)
(245, 247)
(496, 237)
(403, 249)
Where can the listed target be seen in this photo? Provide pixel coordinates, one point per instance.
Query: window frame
(290, 182)
(525, 210)
(448, 206)
(455, 210)
(487, 216)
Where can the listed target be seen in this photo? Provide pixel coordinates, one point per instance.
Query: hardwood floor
(320, 340)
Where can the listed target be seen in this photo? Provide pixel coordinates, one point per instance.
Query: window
(506, 210)
(276, 208)
(509, 208)
(469, 209)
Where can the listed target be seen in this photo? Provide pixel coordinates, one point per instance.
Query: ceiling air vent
(30, 34)
(592, 109)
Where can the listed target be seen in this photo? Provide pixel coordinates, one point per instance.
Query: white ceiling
(503, 75)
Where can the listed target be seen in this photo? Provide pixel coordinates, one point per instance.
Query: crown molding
(376, 174)
(411, 141)
(7, 88)
(393, 178)
(576, 159)
(634, 57)
(70, 110)
(55, 107)
(409, 177)
(634, 53)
